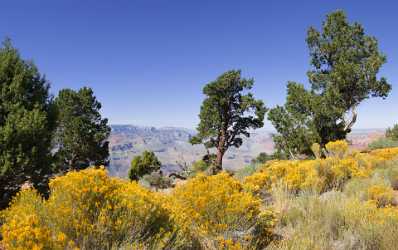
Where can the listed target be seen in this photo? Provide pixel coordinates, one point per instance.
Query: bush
(157, 180)
(392, 133)
(383, 143)
(263, 158)
(143, 164)
(89, 210)
(215, 212)
(382, 195)
(337, 149)
(197, 167)
(334, 221)
(248, 170)
(320, 174)
(26, 225)
(344, 201)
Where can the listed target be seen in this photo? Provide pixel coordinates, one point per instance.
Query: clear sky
(147, 60)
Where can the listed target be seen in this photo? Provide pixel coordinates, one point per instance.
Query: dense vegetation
(40, 136)
(314, 192)
(349, 197)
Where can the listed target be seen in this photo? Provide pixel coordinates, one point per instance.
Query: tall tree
(26, 124)
(81, 135)
(228, 112)
(344, 67)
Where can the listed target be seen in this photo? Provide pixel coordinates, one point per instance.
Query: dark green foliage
(392, 133)
(81, 134)
(157, 180)
(143, 164)
(296, 130)
(255, 164)
(345, 63)
(199, 166)
(227, 114)
(262, 158)
(26, 124)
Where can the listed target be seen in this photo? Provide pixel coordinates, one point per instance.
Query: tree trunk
(218, 165)
(220, 153)
(352, 120)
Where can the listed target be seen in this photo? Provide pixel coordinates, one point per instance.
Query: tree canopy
(228, 113)
(81, 135)
(345, 63)
(26, 124)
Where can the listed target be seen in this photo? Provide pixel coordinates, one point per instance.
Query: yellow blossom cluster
(86, 210)
(381, 195)
(337, 148)
(320, 174)
(90, 210)
(25, 228)
(216, 211)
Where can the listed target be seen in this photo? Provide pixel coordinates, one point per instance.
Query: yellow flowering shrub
(258, 182)
(382, 195)
(98, 209)
(89, 210)
(337, 149)
(320, 174)
(385, 153)
(215, 211)
(296, 175)
(25, 226)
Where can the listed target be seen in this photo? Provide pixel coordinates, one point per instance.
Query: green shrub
(392, 133)
(198, 167)
(157, 180)
(383, 143)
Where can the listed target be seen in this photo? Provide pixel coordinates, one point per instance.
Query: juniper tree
(81, 134)
(26, 124)
(227, 114)
(344, 66)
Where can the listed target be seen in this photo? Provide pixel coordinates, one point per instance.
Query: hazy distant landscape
(171, 145)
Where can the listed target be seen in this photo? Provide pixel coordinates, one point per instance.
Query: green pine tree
(81, 134)
(345, 63)
(228, 113)
(26, 125)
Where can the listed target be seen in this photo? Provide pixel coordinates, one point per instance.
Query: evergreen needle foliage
(81, 135)
(26, 124)
(344, 66)
(227, 114)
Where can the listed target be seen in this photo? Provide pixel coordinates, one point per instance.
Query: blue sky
(147, 60)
